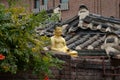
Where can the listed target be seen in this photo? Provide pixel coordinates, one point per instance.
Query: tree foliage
(19, 45)
(12, 2)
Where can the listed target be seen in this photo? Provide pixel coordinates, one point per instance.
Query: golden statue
(58, 43)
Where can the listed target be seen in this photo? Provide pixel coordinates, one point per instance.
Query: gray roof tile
(89, 36)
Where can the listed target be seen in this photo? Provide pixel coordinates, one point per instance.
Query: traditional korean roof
(89, 36)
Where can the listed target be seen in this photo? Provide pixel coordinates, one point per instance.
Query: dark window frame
(62, 2)
(119, 10)
(35, 3)
(43, 2)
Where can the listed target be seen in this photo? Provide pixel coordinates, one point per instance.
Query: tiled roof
(85, 41)
(89, 36)
(102, 23)
(96, 22)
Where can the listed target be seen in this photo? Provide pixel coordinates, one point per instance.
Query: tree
(12, 2)
(20, 48)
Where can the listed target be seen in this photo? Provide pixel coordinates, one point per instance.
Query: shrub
(20, 48)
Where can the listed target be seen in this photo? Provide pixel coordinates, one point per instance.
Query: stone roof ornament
(82, 6)
(82, 13)
(57, 12)
(111, 41)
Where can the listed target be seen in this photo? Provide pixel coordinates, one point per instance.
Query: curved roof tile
(89, 34)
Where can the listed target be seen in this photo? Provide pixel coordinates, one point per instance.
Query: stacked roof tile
(89, 36)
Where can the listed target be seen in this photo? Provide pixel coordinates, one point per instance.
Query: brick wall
(102, 7)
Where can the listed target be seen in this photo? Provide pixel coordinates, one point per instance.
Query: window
(64, 4)
(44, 5)
(36, 3)
(63, 1)
(44, 2)
(119, 10)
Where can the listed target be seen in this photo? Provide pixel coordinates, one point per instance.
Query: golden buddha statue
(58, 43)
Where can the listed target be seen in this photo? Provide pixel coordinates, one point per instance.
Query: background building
(70, 7)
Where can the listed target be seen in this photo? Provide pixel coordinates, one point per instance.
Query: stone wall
(86, 69)
(73, 69)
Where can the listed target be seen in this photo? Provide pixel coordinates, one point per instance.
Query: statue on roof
(111, 44)
(57, 12)
(58, 43)
(82, 13)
